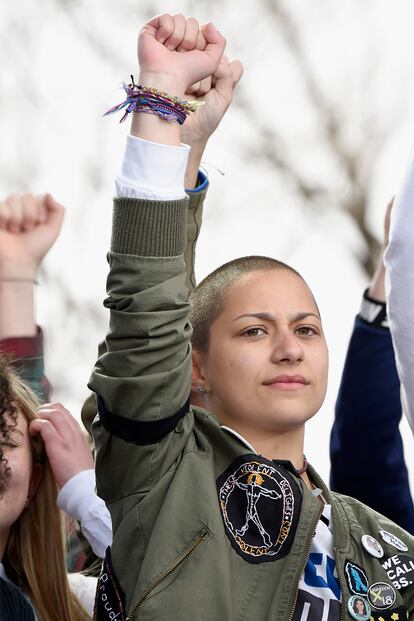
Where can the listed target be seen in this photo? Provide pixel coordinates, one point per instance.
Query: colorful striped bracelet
(152, 101)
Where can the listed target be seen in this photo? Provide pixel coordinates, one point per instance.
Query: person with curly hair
(32, 549)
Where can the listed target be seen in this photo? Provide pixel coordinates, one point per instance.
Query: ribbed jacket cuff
(149, 228)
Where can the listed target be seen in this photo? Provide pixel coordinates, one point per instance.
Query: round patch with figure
(260, 504)
(359, 608)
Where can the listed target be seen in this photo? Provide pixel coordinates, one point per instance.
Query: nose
(287, 348)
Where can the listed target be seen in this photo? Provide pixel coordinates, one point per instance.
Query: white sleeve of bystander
(399, 262)
(79, 500)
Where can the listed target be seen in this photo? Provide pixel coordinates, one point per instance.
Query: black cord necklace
(304, 467)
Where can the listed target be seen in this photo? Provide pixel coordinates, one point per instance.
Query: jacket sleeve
(367, 460)
(194, 220)
(143, 380)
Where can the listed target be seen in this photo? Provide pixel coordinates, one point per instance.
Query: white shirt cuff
(78, 494)
(152, 171)
(79, 499)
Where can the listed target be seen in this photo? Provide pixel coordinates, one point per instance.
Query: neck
(285, 445)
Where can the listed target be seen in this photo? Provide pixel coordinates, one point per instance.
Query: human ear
(37, 476)
(199, 382)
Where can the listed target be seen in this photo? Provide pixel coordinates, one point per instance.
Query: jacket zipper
(201, 536)
(304, 565)
(335, 549)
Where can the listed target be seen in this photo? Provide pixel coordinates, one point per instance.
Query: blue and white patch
(319, 594)
(357, 579)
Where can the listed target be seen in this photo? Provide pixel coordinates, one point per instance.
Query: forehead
(278, 291)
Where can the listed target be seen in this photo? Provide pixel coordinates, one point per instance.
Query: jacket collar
(285, 463)
(339, 515)
(239, 437)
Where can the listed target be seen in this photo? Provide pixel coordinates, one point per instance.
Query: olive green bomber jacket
(194, 221)
(177, 484)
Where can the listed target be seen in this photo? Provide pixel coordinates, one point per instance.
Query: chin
(288, 421)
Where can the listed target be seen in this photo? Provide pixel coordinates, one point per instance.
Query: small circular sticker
(372, 546)
(393, 540)
(359, 608)
(381, 595)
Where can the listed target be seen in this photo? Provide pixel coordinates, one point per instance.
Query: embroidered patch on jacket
(382, 595)
(260, 504)
(396, 614)
(400, 570)
(109, 599)
(357, 579)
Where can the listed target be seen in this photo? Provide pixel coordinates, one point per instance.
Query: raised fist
(174, 52)
(29, 226)
(216, 92)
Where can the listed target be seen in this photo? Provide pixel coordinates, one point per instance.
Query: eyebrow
(270, 317)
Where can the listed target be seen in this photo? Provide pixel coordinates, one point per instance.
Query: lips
(287, 381)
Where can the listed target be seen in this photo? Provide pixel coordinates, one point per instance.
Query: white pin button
(359, 608)
(372, 546)
(393, 540)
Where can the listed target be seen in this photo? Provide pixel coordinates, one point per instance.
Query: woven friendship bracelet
(150, 100)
